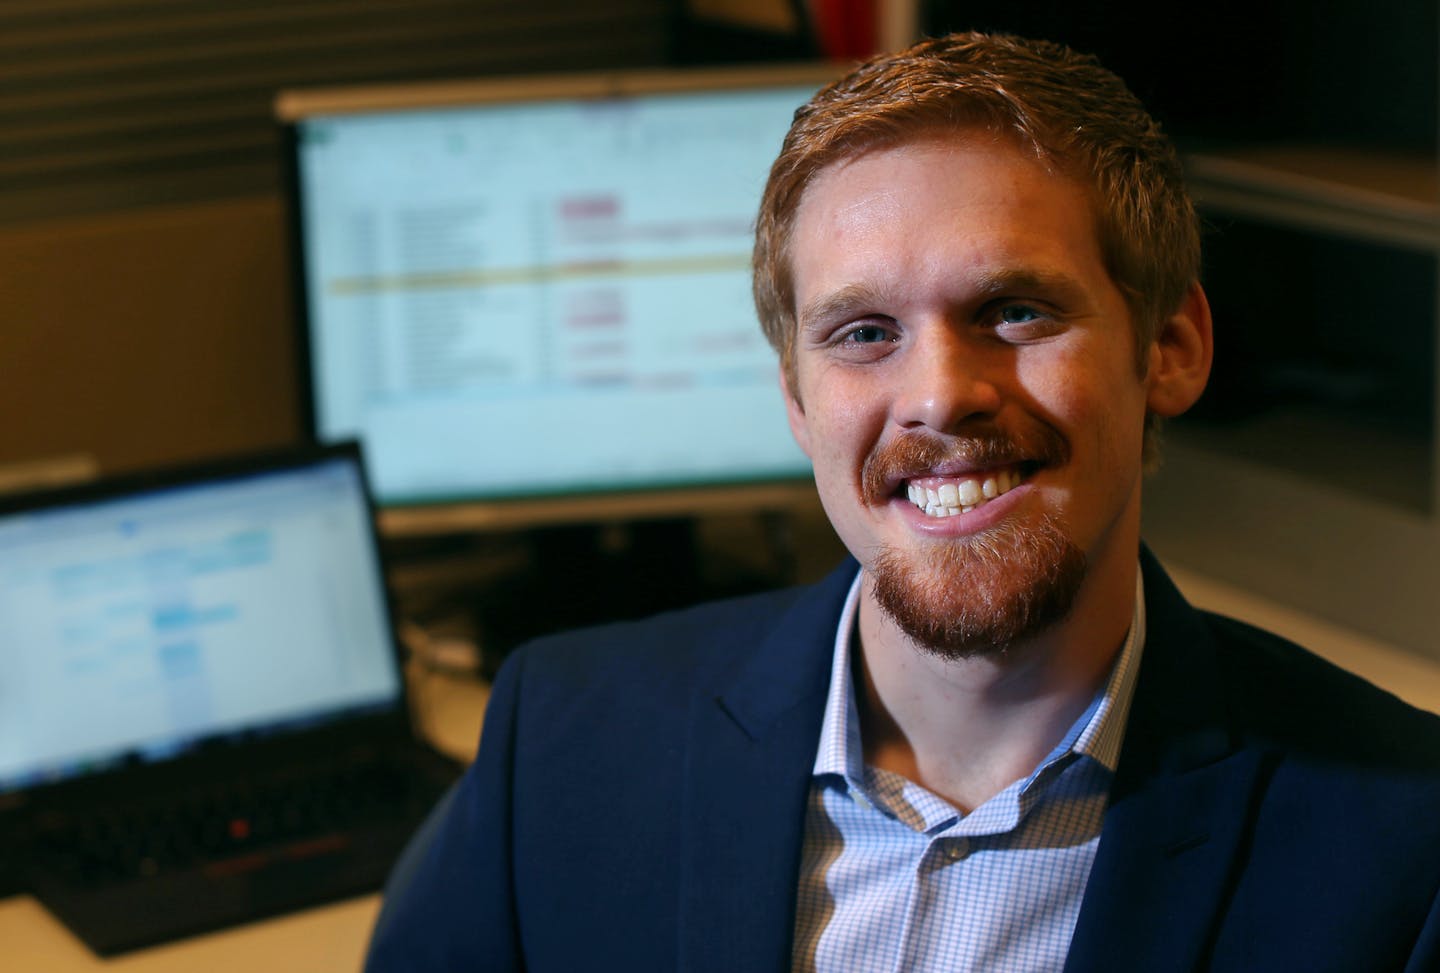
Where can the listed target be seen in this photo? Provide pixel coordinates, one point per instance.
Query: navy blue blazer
(638, 801)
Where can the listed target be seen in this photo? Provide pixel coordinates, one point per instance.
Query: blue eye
(864, 340)
(1018, 314)
(868, 334)
(1023, 323)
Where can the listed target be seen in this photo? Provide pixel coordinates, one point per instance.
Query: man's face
(966, 387)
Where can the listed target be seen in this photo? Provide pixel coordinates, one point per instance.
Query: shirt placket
(932, 822)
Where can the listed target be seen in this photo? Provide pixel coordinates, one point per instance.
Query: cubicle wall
(144, 292)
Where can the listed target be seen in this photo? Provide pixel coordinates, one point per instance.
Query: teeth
(951, 499)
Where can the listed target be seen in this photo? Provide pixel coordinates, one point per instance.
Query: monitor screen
(541, 287)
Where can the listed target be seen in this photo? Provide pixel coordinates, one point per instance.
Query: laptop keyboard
(231, 827)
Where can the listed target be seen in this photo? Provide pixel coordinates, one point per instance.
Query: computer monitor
(530, 297)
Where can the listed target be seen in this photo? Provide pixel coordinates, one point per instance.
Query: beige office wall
(148, 336)
(144, 310)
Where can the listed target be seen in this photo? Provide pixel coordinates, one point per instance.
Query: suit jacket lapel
(1181, 804)
(1180, 807)
(749, 758)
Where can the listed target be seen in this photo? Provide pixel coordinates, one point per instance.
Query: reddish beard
(976, 595)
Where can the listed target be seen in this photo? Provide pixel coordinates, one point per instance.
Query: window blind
(112, 104)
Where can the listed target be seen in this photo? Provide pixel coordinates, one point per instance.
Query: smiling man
(998, 739)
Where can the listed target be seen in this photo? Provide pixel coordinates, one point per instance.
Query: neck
(968, 728)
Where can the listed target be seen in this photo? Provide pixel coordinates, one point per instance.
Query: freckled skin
(972, 296)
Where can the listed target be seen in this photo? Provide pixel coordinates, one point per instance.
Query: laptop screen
(137, 625)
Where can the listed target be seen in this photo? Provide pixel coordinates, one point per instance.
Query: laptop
(203, 712)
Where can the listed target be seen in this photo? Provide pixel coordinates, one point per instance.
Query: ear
(1180, 357)
(795, 412)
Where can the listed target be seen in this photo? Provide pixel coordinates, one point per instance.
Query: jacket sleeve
(449, 903)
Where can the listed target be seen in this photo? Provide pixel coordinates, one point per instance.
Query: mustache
(917, 453)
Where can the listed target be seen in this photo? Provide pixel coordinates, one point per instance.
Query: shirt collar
(839, 751)
(1097, 734)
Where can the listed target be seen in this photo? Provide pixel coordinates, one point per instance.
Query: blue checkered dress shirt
(894, 878)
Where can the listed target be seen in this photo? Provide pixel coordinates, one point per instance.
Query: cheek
(833, 441)
(1058, 388)
(841, 425)
(1100, 410)
(1081, 380)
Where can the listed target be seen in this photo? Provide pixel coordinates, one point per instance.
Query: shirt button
(957, 849)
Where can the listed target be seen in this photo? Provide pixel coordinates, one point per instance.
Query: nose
(946, 379)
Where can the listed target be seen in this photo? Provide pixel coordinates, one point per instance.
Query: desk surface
(333, 938)
(314, 941)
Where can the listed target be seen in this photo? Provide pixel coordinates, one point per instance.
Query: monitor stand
(581, 575)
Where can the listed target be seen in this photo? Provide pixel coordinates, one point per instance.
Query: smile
(952, 495)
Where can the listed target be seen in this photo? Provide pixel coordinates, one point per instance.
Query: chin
(979, 595)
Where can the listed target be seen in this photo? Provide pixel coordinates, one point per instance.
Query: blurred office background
(146, 306)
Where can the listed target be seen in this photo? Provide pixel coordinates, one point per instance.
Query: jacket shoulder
(1286, 695)
(696, 636)
(687, 649)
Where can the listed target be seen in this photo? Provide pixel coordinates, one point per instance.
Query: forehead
(937, 206)
(933, 159)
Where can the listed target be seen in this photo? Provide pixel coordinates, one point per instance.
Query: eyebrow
(1024, 280)
(847, 301)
